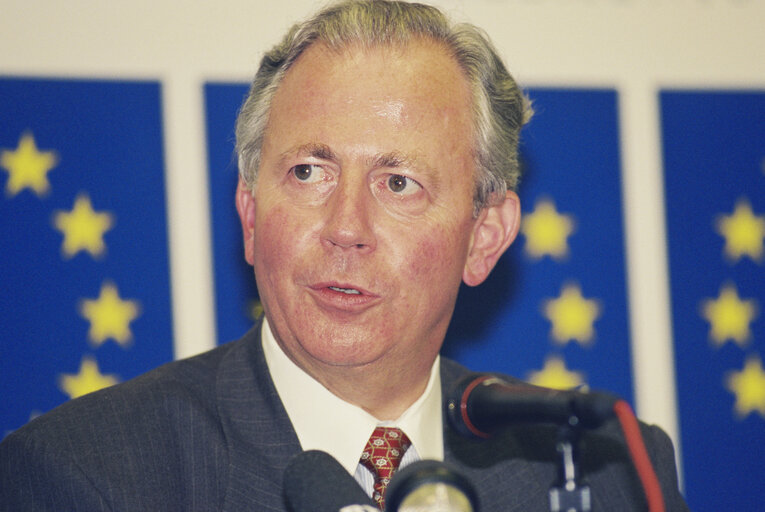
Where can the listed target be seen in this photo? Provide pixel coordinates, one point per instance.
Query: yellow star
(744, 232)
(546, 231)
(749, 387)
(83, 228)
(572, 316)
(28, 167)
(729, 316)
(555, 375)
(109, 316)
(88, 379)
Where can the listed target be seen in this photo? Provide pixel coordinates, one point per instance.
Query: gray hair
(499, 107)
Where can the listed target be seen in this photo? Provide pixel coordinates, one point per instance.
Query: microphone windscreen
(429, 485)
(315, 481)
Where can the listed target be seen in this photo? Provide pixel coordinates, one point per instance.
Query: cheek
(430, 255)
(439, 258)
(266, 236)
(277, 239)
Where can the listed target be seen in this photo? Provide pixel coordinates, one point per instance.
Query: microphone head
(457, 407)
(481, 404)
(315, 481)
(429, 485)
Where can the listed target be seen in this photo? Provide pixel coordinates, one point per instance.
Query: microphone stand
(568, 494)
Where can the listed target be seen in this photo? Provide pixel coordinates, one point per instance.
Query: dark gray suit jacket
(210, 433)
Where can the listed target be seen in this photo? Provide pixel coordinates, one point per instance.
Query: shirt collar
(323, 421)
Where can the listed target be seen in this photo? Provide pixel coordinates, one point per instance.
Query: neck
(384, 387)
(386, 395)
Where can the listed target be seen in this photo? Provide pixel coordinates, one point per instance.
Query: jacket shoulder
(125, 444)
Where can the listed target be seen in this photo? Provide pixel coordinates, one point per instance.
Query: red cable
(639, 455)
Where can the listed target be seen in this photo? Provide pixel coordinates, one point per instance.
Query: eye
(403, 185)
(308, 173)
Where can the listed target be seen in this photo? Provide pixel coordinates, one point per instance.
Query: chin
(344, 350)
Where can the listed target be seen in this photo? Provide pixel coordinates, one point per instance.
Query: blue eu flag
(714, 167)
(85, 295)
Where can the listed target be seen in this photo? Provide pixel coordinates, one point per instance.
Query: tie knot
(382, 456)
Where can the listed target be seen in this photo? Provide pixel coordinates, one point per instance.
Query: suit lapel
(258, 431)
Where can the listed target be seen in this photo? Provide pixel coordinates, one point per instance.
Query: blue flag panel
(85, 295)
(236, 296)
(554, 311)
(714, 168)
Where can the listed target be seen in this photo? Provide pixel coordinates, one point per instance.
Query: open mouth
(343, 297)
(348, 291)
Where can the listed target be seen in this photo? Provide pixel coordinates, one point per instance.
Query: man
(376, 147)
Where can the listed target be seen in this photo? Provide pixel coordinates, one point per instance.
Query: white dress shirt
(322, 421)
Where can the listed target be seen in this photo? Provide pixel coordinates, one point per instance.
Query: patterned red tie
(382, 455)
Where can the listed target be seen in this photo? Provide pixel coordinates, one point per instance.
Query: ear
(245, 207)
(493, 232)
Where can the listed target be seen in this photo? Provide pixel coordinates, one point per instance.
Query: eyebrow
(392, 160)
(314, 149)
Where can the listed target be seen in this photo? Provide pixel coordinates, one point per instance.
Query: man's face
(362, 218)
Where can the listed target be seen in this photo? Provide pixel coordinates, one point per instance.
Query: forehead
(417, 86)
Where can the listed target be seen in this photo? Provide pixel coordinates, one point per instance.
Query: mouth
(348, 291)
(344, 297)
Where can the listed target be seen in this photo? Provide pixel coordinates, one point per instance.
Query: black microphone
(430, 486)
(314, 481)
(480, 404)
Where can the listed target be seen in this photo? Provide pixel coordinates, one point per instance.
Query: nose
(348, 217)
